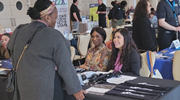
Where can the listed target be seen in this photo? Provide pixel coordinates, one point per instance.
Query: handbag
(11, 79)
(12, 74)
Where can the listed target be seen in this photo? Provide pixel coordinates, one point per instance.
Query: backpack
(112, 11)
(110, 14)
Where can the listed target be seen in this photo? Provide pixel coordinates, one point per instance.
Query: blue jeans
(75, 25)
(74, 44)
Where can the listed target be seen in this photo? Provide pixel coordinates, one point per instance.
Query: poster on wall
(62, 22)
(179, 4)
(93, 10)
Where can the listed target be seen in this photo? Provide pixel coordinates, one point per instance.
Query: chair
(73, 52)
(91, 43)
(144, 71)
(176, 66)
(82, 46)
(108, 33)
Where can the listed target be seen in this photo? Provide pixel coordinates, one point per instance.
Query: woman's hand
(84, 67)
(79, 95)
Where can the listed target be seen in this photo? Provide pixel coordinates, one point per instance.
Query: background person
(118, 15)
(168, 22)
(75, 16)
(131, 10)
(144, 34)
(4, 51)
(98, 56)
(36, 71)
(102, 14)
(124, 56)
(153, 19)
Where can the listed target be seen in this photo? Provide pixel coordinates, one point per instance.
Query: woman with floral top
(97, 57)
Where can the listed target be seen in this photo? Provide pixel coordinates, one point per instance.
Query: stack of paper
(99, 89)
(120, 79)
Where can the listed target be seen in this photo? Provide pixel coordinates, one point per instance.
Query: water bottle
(66, 35)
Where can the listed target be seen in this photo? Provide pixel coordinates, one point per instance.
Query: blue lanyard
(172, 7)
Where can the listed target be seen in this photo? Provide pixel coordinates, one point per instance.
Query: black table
(174, 94)
(3, 94)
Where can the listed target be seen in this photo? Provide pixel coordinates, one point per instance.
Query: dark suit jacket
(135, 63)
(144, 34)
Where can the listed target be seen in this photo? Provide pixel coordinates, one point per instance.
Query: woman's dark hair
(101, 31)
(7, 34)
(40, 5)
(123, 4)
(74, 1)
(126, 49)
(141, 9)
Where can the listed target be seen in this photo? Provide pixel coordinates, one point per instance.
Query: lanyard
(172, 7)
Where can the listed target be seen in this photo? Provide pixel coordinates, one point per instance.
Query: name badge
(176, 4)
(175, 44)
(151, 25)
(177, 22)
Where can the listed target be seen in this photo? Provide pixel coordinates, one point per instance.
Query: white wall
(154, 3)
(84, 4)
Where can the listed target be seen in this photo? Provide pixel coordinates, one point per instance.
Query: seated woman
(124, 56)
(4, 54)
(97, 57)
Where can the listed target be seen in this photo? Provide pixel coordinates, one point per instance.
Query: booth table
(165, 65)
(83, 27)
(3, 94)
(173, 94)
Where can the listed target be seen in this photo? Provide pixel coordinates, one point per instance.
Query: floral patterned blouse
(97, 58)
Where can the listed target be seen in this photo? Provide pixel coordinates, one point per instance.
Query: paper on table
(120, 79)
(2, 69)
(172, 52)
(161, 56)
(80, 79)
(97, 91)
